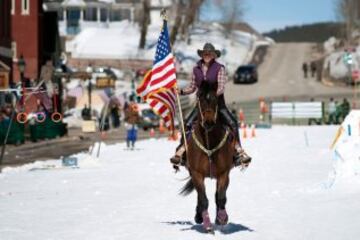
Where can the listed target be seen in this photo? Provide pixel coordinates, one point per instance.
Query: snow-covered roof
(73, 3)
(121, 40)
(107, 1)
(160, 3)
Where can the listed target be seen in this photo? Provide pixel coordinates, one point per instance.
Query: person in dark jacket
(305, 69)
(212, 72)
(345, 108)
(313, 68)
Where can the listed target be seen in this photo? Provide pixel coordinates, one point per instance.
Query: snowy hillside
(287, 193)
(121, 40)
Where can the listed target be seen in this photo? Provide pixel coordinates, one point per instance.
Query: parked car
(148, 119)
(246, 74)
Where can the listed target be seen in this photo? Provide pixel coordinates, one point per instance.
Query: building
(75, 15)
(5, 44)
(26, 30)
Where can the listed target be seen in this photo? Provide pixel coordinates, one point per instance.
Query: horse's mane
(206, 88)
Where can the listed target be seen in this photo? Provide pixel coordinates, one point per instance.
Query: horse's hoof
(198, 218)
(221, 217)
(206, 221)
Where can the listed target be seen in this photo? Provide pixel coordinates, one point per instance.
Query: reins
(209, 152)
(202, 116)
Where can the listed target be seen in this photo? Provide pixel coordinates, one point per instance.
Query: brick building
(26, 28)
(5, 43)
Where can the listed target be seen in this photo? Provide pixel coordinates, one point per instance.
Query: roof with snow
(73, 3)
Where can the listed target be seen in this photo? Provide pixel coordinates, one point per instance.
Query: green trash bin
(16, 134)
(47, 130)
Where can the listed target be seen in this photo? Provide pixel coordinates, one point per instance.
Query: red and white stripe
(163, 75)
(163, 104)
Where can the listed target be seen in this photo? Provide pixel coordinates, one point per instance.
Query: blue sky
(265, 15)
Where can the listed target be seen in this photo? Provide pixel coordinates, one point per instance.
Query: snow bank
(335, 60)
(329, 45)
(347, 149)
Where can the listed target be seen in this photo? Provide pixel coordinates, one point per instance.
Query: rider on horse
(212, 72)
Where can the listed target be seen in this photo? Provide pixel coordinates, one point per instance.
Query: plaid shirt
(221, 79)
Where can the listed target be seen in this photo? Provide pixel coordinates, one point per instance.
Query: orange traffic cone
(244, 131)
(103, 135)
(161, 126)
(241, 116)
(152, 133)
(253, 131)
(173, 136)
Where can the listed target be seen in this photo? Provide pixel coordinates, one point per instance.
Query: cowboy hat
(208, 47)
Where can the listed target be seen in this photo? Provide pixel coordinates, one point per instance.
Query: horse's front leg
(220, 198)
(202, 215)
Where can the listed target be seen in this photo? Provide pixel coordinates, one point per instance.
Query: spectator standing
(131, 120)
(338, 112)
(115, 116)
(313, 68)
(345, 108)
(46, 75)
(331, 111)
(305, 69)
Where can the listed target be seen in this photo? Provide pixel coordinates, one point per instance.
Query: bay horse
(210, 153)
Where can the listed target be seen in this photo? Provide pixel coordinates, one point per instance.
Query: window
(115, 15)
(25, 7)
(12, 7)
(60, 14)
(14, 50)
(103, 14)
(90, 14)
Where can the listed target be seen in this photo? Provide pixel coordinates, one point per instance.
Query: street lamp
(89, 70)
(21, 65)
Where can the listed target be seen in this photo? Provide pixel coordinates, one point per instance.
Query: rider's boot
(241, 157)
(178, 158)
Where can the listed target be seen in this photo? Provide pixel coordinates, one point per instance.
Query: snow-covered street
(290, 191)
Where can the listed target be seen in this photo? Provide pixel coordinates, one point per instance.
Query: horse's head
(207, 105)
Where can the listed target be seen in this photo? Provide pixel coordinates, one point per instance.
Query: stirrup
(241, 158)
(176, 160)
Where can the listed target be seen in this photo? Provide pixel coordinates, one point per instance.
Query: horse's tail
(188, 188)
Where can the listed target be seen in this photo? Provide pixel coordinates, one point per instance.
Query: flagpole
(181, 120)
(164, 17)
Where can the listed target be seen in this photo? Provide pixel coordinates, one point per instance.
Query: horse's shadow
(230, 228)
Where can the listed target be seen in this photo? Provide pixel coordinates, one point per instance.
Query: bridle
(202, 120)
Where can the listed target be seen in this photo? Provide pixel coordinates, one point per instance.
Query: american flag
(158, 86)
